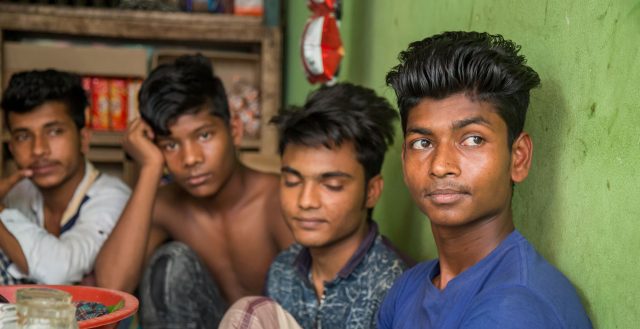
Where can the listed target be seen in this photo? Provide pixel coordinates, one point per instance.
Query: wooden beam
(131, 24)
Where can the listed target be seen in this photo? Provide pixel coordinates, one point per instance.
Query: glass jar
(44, 308)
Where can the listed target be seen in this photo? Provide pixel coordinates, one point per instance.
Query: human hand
(138, 143)
(8, 182)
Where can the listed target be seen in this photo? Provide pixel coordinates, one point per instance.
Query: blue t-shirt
(513, 287)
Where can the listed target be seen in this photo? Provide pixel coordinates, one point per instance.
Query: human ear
(521, 154)
(85, 138)
(237, 131)
(374, 190)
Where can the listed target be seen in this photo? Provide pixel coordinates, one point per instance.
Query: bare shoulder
(267, 182)
(264, 188)
(267, 195)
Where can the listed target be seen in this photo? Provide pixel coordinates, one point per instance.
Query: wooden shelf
(135, 24)
(81, 59)
(106, 138)
(238, 43)
(106, 155)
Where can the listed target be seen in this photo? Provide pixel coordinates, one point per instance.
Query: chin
(309, 241)
(46, 182)
(200, 191)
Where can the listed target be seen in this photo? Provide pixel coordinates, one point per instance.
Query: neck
(462, 247)
(327, 261)
(231, 191)
(56, 199)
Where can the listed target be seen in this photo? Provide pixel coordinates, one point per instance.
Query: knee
(170, 267)
(174, 260)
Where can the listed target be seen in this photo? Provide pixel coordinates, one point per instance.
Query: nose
(192, 154)
(40, 146)
(444, 161)
(308, 197)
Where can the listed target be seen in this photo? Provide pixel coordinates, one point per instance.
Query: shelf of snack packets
(113, 102)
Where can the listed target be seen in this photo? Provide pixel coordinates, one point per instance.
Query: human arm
(120, 262)
(11, 248)
(8, 243)
(66, 259)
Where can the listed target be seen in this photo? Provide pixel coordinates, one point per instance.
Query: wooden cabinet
(128, 44)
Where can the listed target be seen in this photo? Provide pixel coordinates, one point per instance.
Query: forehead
(318, 160)
(38, 117)
(190, 122)
(446, 112)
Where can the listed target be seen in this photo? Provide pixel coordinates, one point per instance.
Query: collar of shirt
(80, 196)
(303, 260)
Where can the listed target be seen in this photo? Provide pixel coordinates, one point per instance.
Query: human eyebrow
(335, 174)
(289, 170)
(459, 124)
(18, 130)
(207, 126)
(419, 131)
(163, 139)
(54, 124)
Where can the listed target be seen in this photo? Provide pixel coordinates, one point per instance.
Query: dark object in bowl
(3, 300)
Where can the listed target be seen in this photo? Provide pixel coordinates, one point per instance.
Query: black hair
(30, 89)
(184, 87)
(338, 114)
(485, 67)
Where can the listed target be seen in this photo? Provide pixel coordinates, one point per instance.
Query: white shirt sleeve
(66, 259)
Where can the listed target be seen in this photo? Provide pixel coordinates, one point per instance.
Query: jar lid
(42, 295)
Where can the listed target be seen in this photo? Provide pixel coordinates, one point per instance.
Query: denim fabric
(351, 300)
(177, 291)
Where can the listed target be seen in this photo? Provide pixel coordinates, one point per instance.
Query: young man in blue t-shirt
(463, 98)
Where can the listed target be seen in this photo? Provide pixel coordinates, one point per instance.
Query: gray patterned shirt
(351, 300)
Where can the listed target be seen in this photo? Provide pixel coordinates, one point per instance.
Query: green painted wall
(580, 205)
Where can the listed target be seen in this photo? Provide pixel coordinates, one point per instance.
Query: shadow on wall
(356, 64)
(538, 202)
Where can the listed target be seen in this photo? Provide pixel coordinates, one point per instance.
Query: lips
(43, 168)
(446, 196)
(195, 180)
(308, 223)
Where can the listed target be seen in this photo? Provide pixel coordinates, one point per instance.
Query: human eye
(421, 144)
(20, 136)
(334, 184)
(473, 141)
(205, 135)
(168, 146)
(56, 131)
(334, 187)
(290, 180)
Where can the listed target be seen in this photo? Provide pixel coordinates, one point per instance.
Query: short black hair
(183, 87)
(485, 67)
(30, 89)
(338, 114)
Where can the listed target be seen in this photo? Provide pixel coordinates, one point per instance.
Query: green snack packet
(113, 308)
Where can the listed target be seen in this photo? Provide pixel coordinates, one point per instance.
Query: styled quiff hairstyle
(483, 66)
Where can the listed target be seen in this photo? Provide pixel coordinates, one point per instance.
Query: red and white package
(322, 48)
(322, 7)
(99, 104)
(118, 104)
